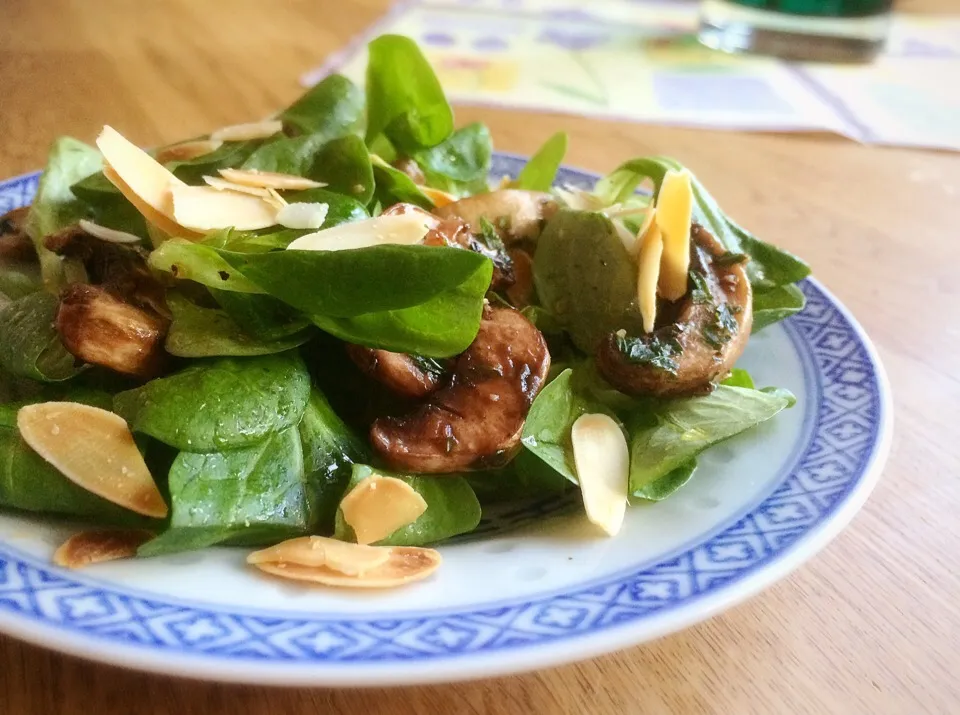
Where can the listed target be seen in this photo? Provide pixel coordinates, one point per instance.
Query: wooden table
(870, 626)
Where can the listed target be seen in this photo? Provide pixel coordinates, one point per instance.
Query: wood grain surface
(872, 625)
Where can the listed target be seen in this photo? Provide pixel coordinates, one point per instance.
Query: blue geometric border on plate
(845, 431)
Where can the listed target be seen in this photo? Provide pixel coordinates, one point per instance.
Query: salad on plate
(330, 337)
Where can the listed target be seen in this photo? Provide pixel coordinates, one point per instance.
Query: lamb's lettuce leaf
(460, 163)
(331, 108)
(539, 173)
(199, 262)
(29, 343)
(262, 316)
(393, 186)
(344, 166)
(229, 155)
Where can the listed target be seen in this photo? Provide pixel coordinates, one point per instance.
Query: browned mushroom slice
(411, 168)
(15, 244)
(99, 328)
(406, 375)
(474, 422)
(701, 344)
(517, 215)
(520, 294)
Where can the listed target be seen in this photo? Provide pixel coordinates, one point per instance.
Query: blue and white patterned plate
(538, 590)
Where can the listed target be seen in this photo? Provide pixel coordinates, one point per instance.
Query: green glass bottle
(825, 30)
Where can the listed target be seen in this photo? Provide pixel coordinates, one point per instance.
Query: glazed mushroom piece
(516, 214)
(404, 375)
(475, 421)
(707, 331)
(15, 244)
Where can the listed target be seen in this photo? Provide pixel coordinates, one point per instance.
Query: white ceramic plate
(536, 590)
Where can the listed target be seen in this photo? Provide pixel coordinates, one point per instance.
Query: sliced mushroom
(706, 333)
(475, 421)
(405, 375)
(517, 215)
(15, 244)
(520, 294)
(98, 327)
(411, 168)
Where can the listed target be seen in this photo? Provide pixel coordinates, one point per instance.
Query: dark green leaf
(220, 404)
(29, 343)
(344, 165)
(198, 332)
(18, 278)
(774, 304)
(287, 155)
(538, 173)
(332, 107)
(739, 378)
(393, 186)
(230, 155)
(404, 98)
(199, 262)
(661, 488)
(452, 508)
(525, 477)
(342, 209)
(461, 163)
(262, 316)
(108, 207)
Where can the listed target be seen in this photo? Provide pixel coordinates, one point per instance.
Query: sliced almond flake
(674, 217)
(143, 174)
(403, 229)
(245, 132)
(303, 215)
(438, 197)
(602, 459)
(404, 565)
(99, 545)
(154, 218)
(107, 234)
(223, 185)
(627, 237)
(94, 449)
(345, 558)
(648, 275)
(204, 208)
(275, 199)
(270, 180)
(579, 199)
(185, 151)
(378, 506)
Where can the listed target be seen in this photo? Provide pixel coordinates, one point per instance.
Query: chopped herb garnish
(721, 328)
(700, 292)
(428, 365)
(489, 237)
(730, 259)
(660, 350)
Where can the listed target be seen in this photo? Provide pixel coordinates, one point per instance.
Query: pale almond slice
(602, 459)
(579, 199)
(224, 185)
(99, 545)
(438, 197)
(94, 449)
(107, 234)
(378, 506)
(403, 229)
(303, 215)
(270, 180)
(404, 565)
(204, 208)
(341, 556)
(674, 218)
(275, 199)
(143, 174)
(245, 132)
(185, 151)
(154, 218)
(649, 262)
(627, 237)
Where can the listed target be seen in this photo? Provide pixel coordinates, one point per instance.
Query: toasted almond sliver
(244, 132)
(94, 449)
(674, 217)
(224, 185)
(602, 459)
(185, 151)
(270, 180)
(143, 174)
(99, 545)
(303, 215)
(438, 197)
(648, 275)
(378, 506)
(153, 217)
(404, 229)
(275, 199)
(405, 564)
(345, 558)
(204, 208)
(578, 199)
(107, 234)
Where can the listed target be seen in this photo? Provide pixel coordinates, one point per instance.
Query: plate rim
(454, 666)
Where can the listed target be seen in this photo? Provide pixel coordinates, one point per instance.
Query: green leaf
(772, 305)
(669, 433)
(539, 173)
(108, 206)
(769, 266)
(199, 262)
(29, 343)
(341, 209)
(251, 496)
(207, 332)
(229, 155)
(19, 278)
(739, 378)
(287, 155)
(665, 486)
(585, 277)
(220, 404)
(344, 165)
(525, 477)
(330, 449)
(262, 316)
(333, 107)
(452, 508)
(404, 98)
(365, 280)
(54, 206)
(29, 483)
(461, 163)
(393, 186)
